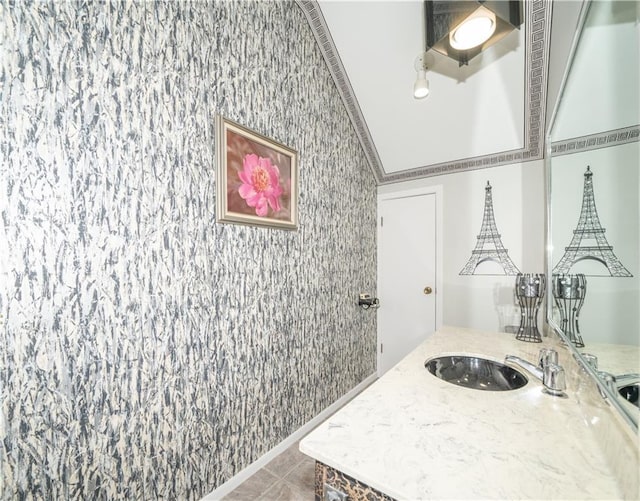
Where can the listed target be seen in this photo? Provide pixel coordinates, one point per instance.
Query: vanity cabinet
(343, 484)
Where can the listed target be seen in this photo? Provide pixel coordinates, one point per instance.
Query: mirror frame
(605, 391)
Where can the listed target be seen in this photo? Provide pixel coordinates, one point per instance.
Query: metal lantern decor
(529, 291)
(462, 29)
(569, 292)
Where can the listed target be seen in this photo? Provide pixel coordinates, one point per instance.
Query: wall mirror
(593, 183)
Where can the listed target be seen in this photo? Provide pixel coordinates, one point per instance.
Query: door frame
(414, 192)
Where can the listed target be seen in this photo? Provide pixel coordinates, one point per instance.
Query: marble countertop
(414, 436)
(615, 358)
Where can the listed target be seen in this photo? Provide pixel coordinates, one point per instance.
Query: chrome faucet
(614, 382)
(536, 371)
(548, 371)
(611, 381)
(624, 379)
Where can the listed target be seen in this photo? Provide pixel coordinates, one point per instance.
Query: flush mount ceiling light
(421, 86)
(474, 30)
(462, 29)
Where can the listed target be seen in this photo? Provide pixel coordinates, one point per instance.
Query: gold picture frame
(257, 178)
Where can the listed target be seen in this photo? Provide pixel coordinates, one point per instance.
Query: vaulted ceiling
(489, 113)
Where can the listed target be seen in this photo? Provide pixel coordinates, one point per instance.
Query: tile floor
(288, 477)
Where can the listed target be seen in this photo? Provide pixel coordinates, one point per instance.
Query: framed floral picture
(257, 178)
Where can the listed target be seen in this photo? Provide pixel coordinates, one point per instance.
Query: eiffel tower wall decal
(589, 241)
(489, 244)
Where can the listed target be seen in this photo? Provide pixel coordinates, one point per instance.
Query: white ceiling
(491, 112)
(471, 111)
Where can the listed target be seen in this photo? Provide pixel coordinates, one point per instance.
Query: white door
(406, 275)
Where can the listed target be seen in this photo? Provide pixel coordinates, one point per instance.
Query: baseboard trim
(242, 476)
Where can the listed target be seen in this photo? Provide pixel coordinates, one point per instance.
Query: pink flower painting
(257, 178)
(260, 186)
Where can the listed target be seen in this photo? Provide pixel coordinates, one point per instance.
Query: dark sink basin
(477, 373)
(630, 393)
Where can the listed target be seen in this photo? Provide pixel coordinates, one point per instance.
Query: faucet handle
(592, 360)
(609, 380)
(554, 379)
(547, 356)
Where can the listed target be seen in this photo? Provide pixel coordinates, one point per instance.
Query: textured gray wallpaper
(148, 352)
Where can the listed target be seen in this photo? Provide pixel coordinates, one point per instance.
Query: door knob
(427, 290)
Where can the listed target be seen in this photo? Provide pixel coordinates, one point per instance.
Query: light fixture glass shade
(421, 87)
(473, 31)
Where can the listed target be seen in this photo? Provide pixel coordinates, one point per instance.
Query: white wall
(601, 92)
(487, 301)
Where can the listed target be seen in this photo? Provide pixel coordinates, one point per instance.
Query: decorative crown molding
(329, 51)
(538, 30)
(605, 139)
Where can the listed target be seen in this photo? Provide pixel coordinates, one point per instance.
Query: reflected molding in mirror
(592, 160)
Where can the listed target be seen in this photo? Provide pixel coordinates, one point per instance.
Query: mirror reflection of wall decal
(489, 245)
(569, 292)
(530, 289)
(588, 240)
